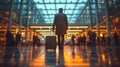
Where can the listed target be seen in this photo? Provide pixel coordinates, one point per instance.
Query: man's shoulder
(60, 14)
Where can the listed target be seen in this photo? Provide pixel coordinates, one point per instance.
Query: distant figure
(38, 41)
(94, 38)
(79, 40)
(84, 39)
(34, 40)
(10, 41)
(103, 40)
(61, 24)
(9, 48)
(108, 40)
(98, 40)
(73, 39)
(18, 38)
(90, 34)
(116, 38)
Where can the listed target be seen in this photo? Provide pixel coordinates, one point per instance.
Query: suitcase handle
(52, 33)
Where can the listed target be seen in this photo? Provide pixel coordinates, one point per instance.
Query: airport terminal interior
(92, 39)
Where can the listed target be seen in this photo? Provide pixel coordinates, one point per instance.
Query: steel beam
(11, 16)
(107, 18)
(20, 16)
(86, 4)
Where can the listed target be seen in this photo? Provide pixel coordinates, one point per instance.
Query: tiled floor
(77, 56)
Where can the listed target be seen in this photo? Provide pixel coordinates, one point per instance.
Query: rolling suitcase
(50, 42)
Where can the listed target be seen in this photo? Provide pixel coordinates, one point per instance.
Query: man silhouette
(61, 24)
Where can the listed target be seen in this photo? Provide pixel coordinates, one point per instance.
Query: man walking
(61, 26)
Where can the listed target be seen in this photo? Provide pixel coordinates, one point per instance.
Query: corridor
(87, 32)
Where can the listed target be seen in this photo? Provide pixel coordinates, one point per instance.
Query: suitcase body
(50, 42)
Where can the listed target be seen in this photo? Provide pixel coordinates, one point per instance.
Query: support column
(11, 15)
(27, 25)
(31, 34)
(107, 18)
(97, 18)
(33, 15)
(79, 21)
(31, 31)
(90, 12)
(20, 16)
(83, 18)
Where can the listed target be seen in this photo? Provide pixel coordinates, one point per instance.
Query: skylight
(72, 8)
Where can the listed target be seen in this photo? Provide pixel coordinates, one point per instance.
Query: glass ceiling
(48, 8)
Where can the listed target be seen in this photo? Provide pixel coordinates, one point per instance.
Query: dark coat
(18, 37)
(10, 42)
(61, 24)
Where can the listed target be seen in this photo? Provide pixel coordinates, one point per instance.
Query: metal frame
(39, 15)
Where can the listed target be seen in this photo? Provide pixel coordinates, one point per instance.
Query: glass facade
(43, 11)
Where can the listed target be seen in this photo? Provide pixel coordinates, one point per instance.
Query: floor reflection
(50, 59)
(72, 56)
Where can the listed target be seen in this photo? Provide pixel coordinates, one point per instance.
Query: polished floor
(77, 56)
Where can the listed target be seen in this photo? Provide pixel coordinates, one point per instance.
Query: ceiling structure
(41, 12)
(50, 7)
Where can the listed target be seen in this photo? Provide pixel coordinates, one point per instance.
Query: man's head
(60, 10)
